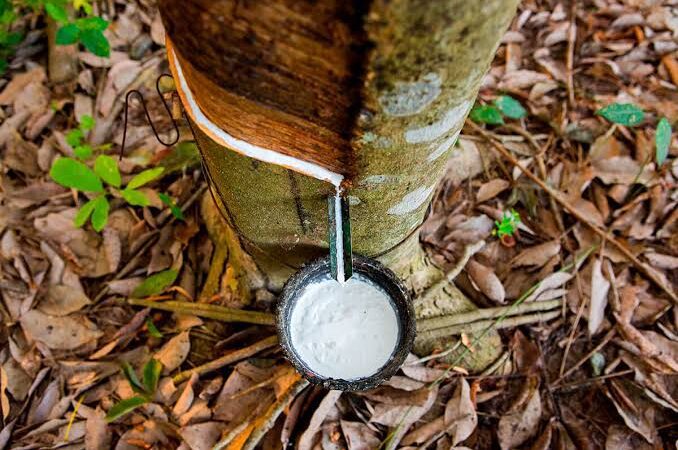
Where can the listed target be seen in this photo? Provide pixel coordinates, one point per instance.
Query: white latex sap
(344, 330)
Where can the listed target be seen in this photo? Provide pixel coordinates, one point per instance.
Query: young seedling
(506, 228)
(105, 179)
(88, 30)
(144, 389)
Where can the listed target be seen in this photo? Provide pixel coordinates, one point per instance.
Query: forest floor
(598, 238)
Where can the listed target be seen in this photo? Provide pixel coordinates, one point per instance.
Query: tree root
(465, 319)
(480, 325)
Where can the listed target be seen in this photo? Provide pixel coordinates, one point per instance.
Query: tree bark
(383, 106)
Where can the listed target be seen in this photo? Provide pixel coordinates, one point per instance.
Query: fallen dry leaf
(59, 333)
(461, 418)
(599, 289)
(491, 189)
(359, 436)
(518, 426)
(486, 280)
(327, 403)
(537, 255)
(174, 352)
(201, 436)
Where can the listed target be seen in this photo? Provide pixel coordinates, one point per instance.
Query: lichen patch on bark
(411, 201)
(452, 118)
(411, 98)
(443, 147)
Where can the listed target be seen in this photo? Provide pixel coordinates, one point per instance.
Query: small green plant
(144, 389)
(508, 224)
(76, 138)
(8, 39)
(662, 140)
(171, 204)
(102, 180)
(85, 28)
(626, 114)
(89, 30)
(502, 106)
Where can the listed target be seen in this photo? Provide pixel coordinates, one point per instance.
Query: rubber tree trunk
(376, 91)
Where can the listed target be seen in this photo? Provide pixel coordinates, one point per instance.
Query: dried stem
(481, 325)
(266, 422)
(485, 313)
(578, 215)
(216, 312)
(232, 357)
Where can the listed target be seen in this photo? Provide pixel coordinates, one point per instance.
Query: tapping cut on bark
(375, 92)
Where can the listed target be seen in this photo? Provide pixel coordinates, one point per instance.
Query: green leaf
(96, 42)
(135, 198)
(3, 66)
(94, 23)
(86, 5)
(131, 376)
(486, 114)
(12, 39)
(155, 284)
(100, 214)
(107, 168)
(145, 177)
(73, 174)
(152, 371)
(125, 406)
(83, 151)
(84, 213)
(510, 107)
(662, 140)
(74, 137)
(622, 113)
(152, 329)
(56, 12)
(86, 122)
(176, 211)
(67, 35)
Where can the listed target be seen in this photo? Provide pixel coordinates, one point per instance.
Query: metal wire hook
(148, 116)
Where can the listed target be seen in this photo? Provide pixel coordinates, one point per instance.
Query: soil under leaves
(599, 373)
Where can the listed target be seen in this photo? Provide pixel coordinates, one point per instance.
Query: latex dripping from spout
(341, 253)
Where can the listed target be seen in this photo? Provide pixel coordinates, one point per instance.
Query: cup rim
(383, 277)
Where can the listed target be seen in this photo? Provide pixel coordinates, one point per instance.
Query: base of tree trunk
(236, 277)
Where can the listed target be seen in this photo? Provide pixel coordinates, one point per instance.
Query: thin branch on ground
(266, 421)
(209, 311)
(227, 359)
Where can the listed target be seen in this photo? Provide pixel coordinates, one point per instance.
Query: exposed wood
(283, 74)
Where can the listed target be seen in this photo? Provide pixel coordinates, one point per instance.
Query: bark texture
(423, 62)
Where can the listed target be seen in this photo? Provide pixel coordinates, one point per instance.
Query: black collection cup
(379, 275)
